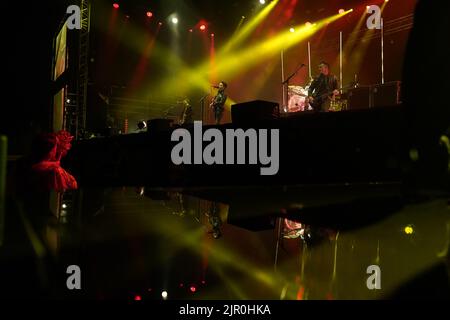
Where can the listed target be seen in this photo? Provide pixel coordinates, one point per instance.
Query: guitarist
(323, 89)
(218, 102)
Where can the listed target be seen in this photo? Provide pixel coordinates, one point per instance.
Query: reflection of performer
(218, 103)
(186, 117)
(323, 89)
(215, 220)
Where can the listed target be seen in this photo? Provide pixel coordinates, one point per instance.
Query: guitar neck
(331, 92)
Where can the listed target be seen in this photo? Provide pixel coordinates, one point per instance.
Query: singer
(218, 102)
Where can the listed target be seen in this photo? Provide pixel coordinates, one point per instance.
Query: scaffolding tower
(83, 67)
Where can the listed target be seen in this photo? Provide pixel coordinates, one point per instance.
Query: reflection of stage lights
(216, 233)
(142, 125)
(140, 191)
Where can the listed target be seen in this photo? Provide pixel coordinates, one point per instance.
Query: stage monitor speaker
(254, 111)
(387, 94)
(359, 98)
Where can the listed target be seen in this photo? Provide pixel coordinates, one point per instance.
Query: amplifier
(387, 94)
(359, 98)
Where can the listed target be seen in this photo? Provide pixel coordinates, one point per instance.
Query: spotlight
(190, 30)
(164, 295)
(341, 11)
(149, 14)
(64, 206)
(308, 24)
(137, 298)
(160, 23)
(292, 30)
(386, 0)
(175, 20)
(115, 5)
(212, 35)
(203, 27)
(68, 101)
(409, 229)
(262, 1)
(193, 289)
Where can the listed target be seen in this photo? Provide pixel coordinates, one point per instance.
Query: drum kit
(298, 100)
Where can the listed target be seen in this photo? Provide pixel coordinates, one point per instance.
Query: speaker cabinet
(254, 111)
(359, 98)
(387, 94)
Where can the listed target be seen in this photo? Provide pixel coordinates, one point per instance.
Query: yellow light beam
(355, 50)
(230, 65)
(248, 28)
(233, 64)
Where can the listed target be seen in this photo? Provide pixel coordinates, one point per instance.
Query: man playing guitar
(323, 89)
(218, 102)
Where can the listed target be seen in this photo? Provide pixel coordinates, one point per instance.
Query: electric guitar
(316, 101)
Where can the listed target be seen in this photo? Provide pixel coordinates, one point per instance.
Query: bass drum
(296, 103)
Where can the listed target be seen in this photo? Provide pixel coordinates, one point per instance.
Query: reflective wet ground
(335, 242)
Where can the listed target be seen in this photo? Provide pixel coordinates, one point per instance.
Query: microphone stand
(166, 114)
(286, 82)
(202, 100)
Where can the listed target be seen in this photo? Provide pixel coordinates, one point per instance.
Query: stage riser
(344, 147)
